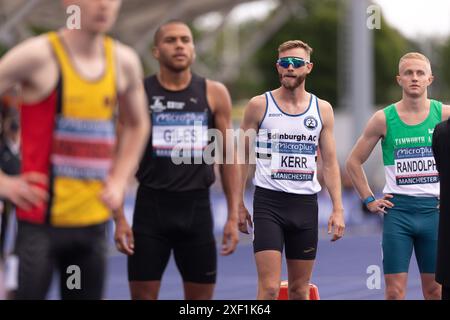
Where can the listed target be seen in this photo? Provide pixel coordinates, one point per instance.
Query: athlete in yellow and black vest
(75, 127)
(71, 83)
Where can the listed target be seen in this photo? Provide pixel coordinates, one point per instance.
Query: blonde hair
(293, 44)
(414, 55)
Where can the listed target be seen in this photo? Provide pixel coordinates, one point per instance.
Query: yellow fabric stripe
(86, 98)
(77, 203)
(110, 61)
(59, 51)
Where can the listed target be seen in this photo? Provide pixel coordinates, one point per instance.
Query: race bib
(415, 166)
(83, 149)
(179, 134)
(295, 161)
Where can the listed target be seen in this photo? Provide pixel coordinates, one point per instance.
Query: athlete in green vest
(411, 193)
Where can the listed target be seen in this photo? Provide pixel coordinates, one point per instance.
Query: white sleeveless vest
(286, 149)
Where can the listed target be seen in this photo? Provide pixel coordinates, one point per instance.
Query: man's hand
(379, 205)
(25, 191)
(244, 219)
(113, 193)
(336, 222)
(123, 237)
(230, 237)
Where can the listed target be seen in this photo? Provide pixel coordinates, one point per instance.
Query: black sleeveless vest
(180, 120)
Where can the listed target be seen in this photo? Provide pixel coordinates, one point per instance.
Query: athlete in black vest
(172, 209)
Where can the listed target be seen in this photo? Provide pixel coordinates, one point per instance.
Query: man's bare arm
(253, 115)
(330, 170)
(20, 62)
(15, 68)
(374, 131)
(221, 102)
(445, 112)
(135, 126)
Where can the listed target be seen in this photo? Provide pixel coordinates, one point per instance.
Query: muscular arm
(134, 123)
(374, 131)
(330, 169)
(445, 112)
(330, 165)
(19, 64)
(220, 101)
(16, 68)
(253, 115)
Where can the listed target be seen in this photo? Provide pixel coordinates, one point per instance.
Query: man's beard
(177, 69)
(174, 67)
(292, 86)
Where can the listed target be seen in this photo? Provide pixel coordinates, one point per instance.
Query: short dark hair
(158, 32)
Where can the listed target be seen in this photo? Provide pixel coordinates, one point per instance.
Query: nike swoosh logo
(309, 250)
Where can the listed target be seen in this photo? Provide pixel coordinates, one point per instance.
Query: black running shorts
(78, 254)
(285, 219)
(180, 221)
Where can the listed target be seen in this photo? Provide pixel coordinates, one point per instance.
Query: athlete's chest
(278, 126)
(416, 137)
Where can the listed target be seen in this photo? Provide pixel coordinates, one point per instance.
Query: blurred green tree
(3, 50)
(389, 46)
(320, 29)
(444, 71)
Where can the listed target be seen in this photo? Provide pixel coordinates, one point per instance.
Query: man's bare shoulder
(219, 98)
(445, 112)
(216, 85)
(378, 118)
(326, 113)
(216, 90)
(127, 56)
(255, 112)
(324, 106)
(376, 126)
(130, 73)
(256, 107)
(257, 102)
(35, 50)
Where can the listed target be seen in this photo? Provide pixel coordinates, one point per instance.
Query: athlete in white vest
(291, 125)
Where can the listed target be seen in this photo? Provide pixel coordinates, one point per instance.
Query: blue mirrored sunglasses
(295, 61)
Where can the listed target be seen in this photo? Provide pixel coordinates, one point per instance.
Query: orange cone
(313, 291)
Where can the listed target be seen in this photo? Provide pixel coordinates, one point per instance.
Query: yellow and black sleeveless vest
(70, 136)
